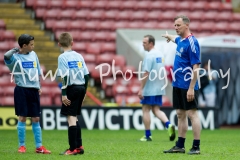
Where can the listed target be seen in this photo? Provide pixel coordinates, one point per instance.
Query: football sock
(37, 134)
(180, 142)
(167, 124)
(72, 134)
(196, 143)
(21, 129)
(147, 133)
(79, 135)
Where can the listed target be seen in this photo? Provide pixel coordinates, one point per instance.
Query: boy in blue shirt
(185, 88)
(74, 73)
(152, 89)
(24, 65)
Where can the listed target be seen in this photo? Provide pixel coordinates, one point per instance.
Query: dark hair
(185, 19)
(150, 39)
(24, 39)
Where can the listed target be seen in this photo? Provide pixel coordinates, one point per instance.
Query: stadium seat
(139, 15)
(8, 35)
(120, 90)
(57, 101)
(157, 5)
(89, 58)
(134, 89)
(108, 47)
(110, 14)
(111, 36)
(154, 15)
(168, 15)
(236, 17)
(86, 4)
(120, 100)
(46, 91)
(8, 90)
(104, 58)
(93, 48)
(114, 5)
(142, 5)
(91, 25)
(210, 16)
(95, 74)
(60, 26)
(91, 66)
(221, 27)
(119, 60)
(40, 4)
(171, 5)
(86, 36)
(56, 4)
(207, 26)
(134, 99)
(71, 4)
(196, 16)
(55, 91)
(128, 71)
(119, 24)
(40, 12)
(7, 101)
(96, 15)
(29, 3)
(100, 36)
(166, 25)
(66, 14)
(128, 5)
(234, 27)
(76, 35)
(194, 26)
(79, 47)
(45, 101)
(4, 46)
(106, 25)
(123, 15)
(135, 24)
(150, 25)
(185, 5)
(199, 6)
(166, 102)
(2, 24)
(49, 23)
(47, 82)
(214, 6)
(13, 44)
(76, 25)
(99, 4)
(51, 14)
(81, 14)
(108, 82)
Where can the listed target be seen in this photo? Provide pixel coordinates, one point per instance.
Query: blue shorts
(27, 102)
(152, 100)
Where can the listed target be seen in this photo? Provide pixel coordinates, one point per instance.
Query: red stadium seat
(139, 15)
(108, 47)
(51, 14)
(105, 58)
(134, 89)
(120, 90)
(119, 60)
(168, 15)
(124, 15)
(8, 36)
(60, 25)
(100, 36)
(39, 12)
(13, 44)
(194, 26)
(2, 24)
(134, 99)
(4, 71)
(57, 101)
(89, 58)
(166, 102)
(157, 5)
(196, 16)
(29, 3)
(86, 4)
(4, 46)
(79, 47)
(214, 6)
(99, 4)
(85, 36)
(106, 25)
(76, 35)
(91, 67)
(135, 24)
(227, 7)
(199, 5)
(46, 91)
(120, 100)
(56, 91)
(236, 17)
(221, 26)
(234, 27)
(40, 4)
(76, 25)
(120, 24)
(207, 26)
(111, 36)
(108, 82)
(142, 5)
(49, 23)
(110, 15)
(71, 4)
(166, 25)
(150, 25)
(7, 101)
(8, 90)
(185, 5)
(95, 74)
(81, 14)
(93, 48)
(154, 15)
(66, 14)
(128, 5)
(45, 101)
(96, 15)
(210, 16)
(114, 5)
(55, 4)
(91, 25)
(171, 5)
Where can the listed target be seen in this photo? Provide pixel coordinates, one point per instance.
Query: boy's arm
(86, 78)
(9, 54)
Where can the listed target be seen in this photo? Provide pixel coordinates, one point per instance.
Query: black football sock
(180, 142)
(79, 135)
(196, 143)
(72, 133)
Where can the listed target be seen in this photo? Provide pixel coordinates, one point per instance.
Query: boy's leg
(146, 121)
(21, 129)
(80, 148)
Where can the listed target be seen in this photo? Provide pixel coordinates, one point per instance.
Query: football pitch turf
(219, 144)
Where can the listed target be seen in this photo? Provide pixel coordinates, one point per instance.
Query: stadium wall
(105, 118)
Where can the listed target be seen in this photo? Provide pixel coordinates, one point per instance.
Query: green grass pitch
(123, 145)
